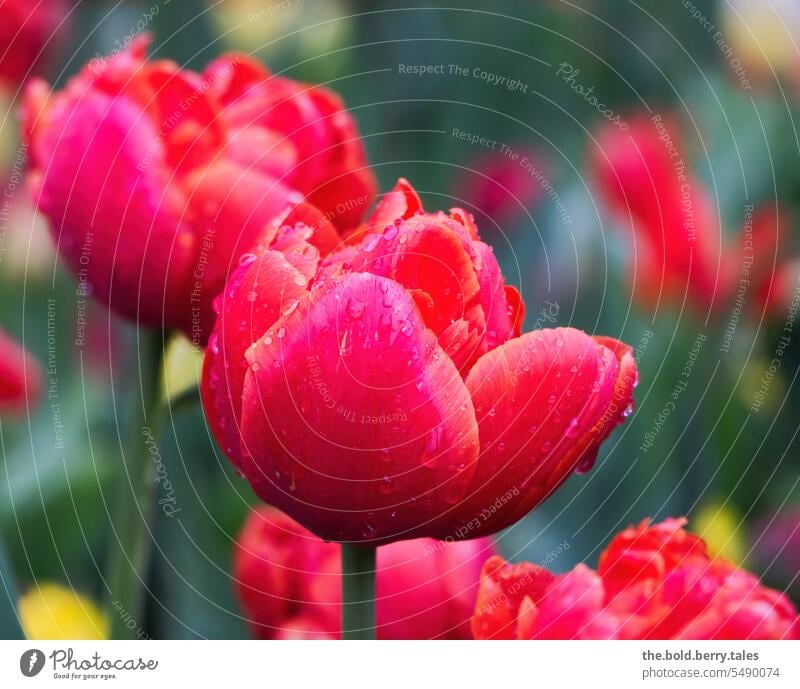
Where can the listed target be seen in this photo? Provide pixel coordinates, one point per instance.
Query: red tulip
(156, 179)
(289, 583)
(20, 378)
(653, 582)
(645, 180)
(396, 398)
(767, 266)
(500, 186)
(28, 31)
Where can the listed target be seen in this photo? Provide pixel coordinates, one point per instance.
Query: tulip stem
(132, 510)
(358, 591)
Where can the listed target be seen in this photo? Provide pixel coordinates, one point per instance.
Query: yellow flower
(721, 527)
(183, 364)
(762, 35)
(255, 25)
(53, 612)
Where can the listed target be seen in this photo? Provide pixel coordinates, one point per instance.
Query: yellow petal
(183, 364)
(53, 612)
(722, 528)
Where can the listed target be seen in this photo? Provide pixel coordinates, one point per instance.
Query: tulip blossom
(764, 42)
(675, 252)
(768, 267)
(653, 582)
(28, 31)
(395, 397)
(289, 583)
(20, 378)
(156, 179)
(500, 186)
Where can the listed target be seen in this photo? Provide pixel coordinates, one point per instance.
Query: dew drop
(370, 242)
(246, 259)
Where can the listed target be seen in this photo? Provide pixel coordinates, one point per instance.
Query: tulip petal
(400, 203)
(572, 608)
(502, 586)
(232, 75)
(259, 291)
(233, 207)
(20, 378)
(108, 196)
(544, 403)
(365, 424)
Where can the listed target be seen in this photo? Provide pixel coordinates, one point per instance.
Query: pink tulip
(156, 179)
(289, 583)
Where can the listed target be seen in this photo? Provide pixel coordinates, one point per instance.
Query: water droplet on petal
(290, 306)
(246, 259)
(370, 242)
(355, 308)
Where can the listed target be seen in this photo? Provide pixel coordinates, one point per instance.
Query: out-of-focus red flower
(289, 582)
(645, 181)
(28, 31)
(653, 582)
(500, 186)
(768, 268)
(156, 179)
(21, 378)
(396, 398)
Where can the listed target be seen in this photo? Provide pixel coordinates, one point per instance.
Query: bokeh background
(727, 72)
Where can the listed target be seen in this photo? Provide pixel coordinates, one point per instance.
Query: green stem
(10, 627)
(358, 591)
(132, 511)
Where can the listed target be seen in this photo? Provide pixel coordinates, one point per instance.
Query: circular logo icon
(31, 662)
